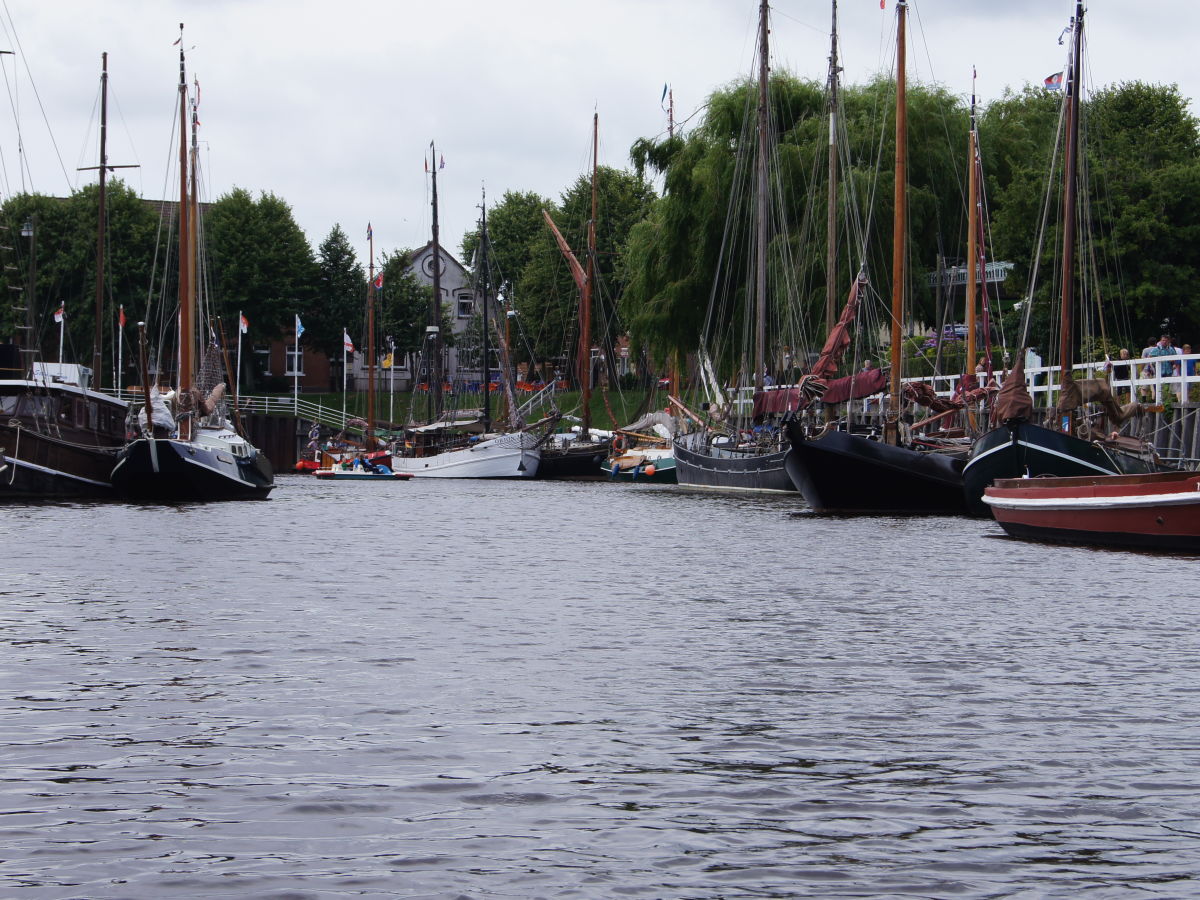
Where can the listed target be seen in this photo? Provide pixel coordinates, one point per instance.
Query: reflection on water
(441, 689)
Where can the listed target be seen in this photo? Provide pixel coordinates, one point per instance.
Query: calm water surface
(503, 690)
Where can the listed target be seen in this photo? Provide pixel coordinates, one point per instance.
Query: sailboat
(59, 437)
(1018, 447)
(447, 446)
(188, 448)
(579, 454)
(732, 451)
(841, 471)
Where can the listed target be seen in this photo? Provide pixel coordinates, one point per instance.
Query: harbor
(546, 689)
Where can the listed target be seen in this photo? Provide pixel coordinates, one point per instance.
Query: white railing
(1145, 381)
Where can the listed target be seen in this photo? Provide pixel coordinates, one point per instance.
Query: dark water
(456, 689)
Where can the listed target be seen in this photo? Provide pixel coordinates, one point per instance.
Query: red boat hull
(1159, 511)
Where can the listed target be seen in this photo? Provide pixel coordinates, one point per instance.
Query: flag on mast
(1054, 82)
(346, 342)
(121, 317)
(245, 324)
(60, 314)
(299, 328)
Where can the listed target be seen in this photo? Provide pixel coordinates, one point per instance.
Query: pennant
(370, 233)
(60, 314)
(346, 342)
(442, 165)
(1054, 82)
(245, 325)
(664, 96)
(121, 318)
(427, 166)
(299, 328)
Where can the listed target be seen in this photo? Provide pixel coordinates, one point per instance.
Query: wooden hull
(1158, 511)
(167, 470)
(1023, 449)
(701, 466)
(842, 472)
(573, 460)
(57, 441)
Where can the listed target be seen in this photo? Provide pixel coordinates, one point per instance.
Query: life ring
(620, 443)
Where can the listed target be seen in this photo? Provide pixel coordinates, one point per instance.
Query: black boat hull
(165, 470)
(575, 461)
(1024, 449)
(749, 472)
(38, 466)
(842, 472)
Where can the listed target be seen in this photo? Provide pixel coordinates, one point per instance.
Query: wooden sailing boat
(188, 449)
(841, 471)
(59, 437)
(579, 454)
(742, 454)
(1019, 447)
(449, 447)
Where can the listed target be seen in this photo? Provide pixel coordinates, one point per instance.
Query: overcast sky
(332, 105)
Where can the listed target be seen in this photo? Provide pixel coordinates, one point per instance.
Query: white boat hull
(505, 456)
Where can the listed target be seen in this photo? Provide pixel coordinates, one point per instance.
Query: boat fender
(614, 471)
(650, 470)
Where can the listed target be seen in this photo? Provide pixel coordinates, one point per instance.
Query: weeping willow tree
(688, 282)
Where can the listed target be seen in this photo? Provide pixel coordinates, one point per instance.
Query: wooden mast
(185, 287)
(585, 300)
(97, 341)
(369, 442)
(435, 304)
(760, 328)
(831, 189)
(891, 430)
(485, 283)
(1066, 326)
(972, 238)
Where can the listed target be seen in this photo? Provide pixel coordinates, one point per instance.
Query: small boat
(361, 470)
(643, 464)
(1155, 511)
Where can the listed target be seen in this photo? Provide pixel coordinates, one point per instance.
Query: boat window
(36, 406)
(8, 405)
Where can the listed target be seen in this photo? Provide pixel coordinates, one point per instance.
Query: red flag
(121, 318)
(379, 282)
(60, 313)
(245, 324)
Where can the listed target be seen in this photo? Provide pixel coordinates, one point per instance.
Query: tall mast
(972, 236)
(831, 199)
(185, 288)
(760, 328)
(486, 284)
(891, 432)
(97, 341)
(585, 300)
(435, 305)
(1065, 328)
(370, 436)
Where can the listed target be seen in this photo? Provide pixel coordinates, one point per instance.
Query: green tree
(261, 262)
(342, 292)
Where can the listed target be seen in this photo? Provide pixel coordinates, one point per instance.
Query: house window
(295, 362)
(466, 306)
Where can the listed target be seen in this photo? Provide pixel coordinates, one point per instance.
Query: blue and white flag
(299, 328)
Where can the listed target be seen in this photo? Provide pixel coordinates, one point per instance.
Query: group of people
(1154, 362)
